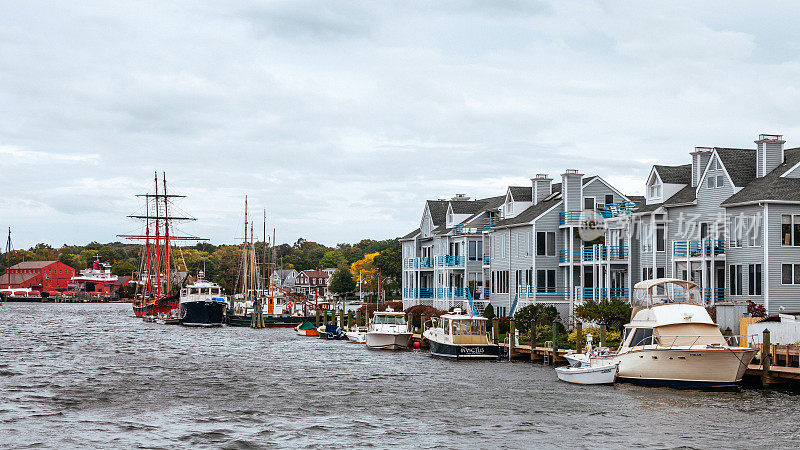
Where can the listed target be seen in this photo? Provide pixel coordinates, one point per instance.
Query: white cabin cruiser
(388, 330)
(461, 337)
(671, 340)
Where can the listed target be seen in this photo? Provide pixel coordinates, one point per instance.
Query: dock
(536, 354)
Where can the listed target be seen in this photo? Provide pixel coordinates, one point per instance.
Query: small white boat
(388, 330)
(358, 336)
(577, 359)
(588, 375)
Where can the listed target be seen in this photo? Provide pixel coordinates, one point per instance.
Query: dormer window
(654, 190)
(511, 206)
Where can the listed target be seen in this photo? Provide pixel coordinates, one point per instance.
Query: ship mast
(8, 249)
(158, 244)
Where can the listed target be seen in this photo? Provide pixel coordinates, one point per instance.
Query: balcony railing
(476, 227)
(595, 253)
(606, 211)
(543, 292)
(449, 261)
(450, 292)
(593, 293)
(712, 296)
(704, 247)
(416, 263)
(487, 258)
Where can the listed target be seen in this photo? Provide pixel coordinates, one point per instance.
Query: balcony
(486, 259)
(417, 263)
(417, 293)
(450, 292)
(607, 212)
(449, 261)
(476, 227)
(711, 296)
(543, 292)
(593, 293)
(595, 253)
(697, 249)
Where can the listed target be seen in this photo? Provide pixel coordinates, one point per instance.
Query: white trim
(765, 242)
(796, 166)
(700, 183)
(759, 202)
(608, 186)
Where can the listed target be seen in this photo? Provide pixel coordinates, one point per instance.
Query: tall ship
(159, 281)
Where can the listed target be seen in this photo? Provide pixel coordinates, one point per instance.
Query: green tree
(342, 281)
(332, 258)
(538, 314)
(389, 261)
(615, 313)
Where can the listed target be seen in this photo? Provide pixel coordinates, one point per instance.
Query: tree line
(221, 262)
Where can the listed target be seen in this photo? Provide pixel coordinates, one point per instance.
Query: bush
(756, 310)
(613, 337)
(539, 314)
(615, 313)
(418, 310)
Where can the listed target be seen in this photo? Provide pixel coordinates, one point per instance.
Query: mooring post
(358, 318)
(602, 335)
(316, 318)
(766, 358)
(341, 317)
(422, 324)
(533, 338)
(578, 336)
(511, 338)
(555, 343)
(410, 323)
(496, 330)
(349, 320)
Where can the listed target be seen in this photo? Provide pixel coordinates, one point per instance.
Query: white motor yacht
(388, 330)
(671, 340)
(461, 336)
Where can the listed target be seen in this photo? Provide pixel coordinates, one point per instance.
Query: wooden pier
(520, 351)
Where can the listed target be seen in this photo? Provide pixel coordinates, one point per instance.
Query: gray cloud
(341, 118)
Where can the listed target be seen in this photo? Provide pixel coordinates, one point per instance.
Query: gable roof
(16, 278)
(687, 194)
(772, 186)
(467, 207)
(32, 264)
(410, 235)
(521, 193)
(315, 273)
(740, 164)
(438, 209)
(530, 213)
(675, 174)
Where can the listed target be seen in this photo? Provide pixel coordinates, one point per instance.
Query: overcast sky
(341, 118)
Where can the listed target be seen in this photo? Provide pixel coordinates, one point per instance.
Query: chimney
(572, 190)
(769, 153)
(541, 187)
(700, 157)
(459, 198)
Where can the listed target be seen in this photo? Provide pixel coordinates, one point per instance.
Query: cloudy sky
(341, 118)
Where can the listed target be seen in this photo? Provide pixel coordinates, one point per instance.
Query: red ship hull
(162, 305)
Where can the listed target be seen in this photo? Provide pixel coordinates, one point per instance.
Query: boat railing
(690, 341)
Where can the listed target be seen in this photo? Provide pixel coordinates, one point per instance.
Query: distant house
(284, 278)
(38, 275)
(313, 283)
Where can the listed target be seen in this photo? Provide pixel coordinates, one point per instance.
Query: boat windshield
(390, 320)
(673, 291)
(472, 327)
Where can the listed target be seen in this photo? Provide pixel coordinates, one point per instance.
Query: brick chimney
(541, 187)
(769, 153)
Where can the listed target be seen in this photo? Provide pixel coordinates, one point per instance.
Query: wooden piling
(410, 323)
(358, 318)
(496, 330)
(579, 337)
(555, 343)
(511, 338)
(533, 338)
(316, 323)
(422, 324)
(765, 358)
(341, 317)
(602, 335)
(349, 320)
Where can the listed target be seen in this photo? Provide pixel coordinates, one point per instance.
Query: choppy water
(94, 376)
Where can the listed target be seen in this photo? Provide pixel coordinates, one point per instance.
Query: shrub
(756, 310)
(539, 314)
(613, 337)
(615, 313)
(418, 310)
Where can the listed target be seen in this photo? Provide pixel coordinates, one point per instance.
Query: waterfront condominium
(729, 221)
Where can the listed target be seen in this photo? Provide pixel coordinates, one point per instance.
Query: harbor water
(91, 375)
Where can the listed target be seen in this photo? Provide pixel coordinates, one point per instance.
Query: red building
(38, 275)
(312, 283)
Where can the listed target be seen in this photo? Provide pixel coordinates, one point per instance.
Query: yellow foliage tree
(365, 270)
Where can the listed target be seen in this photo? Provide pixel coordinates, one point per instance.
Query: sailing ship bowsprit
(158, 287)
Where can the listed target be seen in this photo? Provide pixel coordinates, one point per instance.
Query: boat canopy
(307, 326)
(665, 290)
